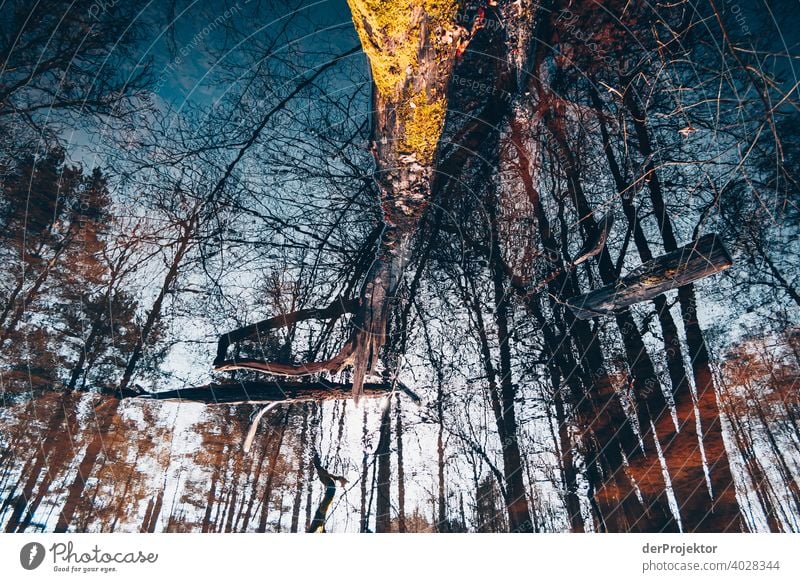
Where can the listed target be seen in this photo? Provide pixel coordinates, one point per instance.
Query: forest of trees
(363, 265)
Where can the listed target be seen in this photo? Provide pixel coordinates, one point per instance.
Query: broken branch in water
(701, 258)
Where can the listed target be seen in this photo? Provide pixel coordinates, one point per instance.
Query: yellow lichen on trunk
(410, 46)
(391, 31)
(423, 124)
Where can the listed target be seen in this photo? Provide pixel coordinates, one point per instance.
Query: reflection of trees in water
(434, 246)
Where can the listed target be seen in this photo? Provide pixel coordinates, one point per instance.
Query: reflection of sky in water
(192, 44)
(201, 50)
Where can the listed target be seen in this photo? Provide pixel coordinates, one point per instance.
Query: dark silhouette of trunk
(723, 514)
(183, 246)
(273, 468)
(651, 406)
(251, 392)
(566, 457)
(489, 508)
(12, 299)
(612, 496)
(782, 465)
(329, 482)
(608, 432)
(211, 499)
(128, 482)
(52, 456)
(383, 486)
(314, 427)
(519, 516)
(150, 521)
(87, 351)
(11, 318)
(621, 450)
(300, 454)
(441, 505)
(681, 450)
(364, 520)
(761, 483)
(401, 485)
(104, 415)
(259, 464)
(782, 282)
(230, 509)
(88, 344)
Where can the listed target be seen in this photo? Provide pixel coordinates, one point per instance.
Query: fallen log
(339, 307)
(266, 392)
(701, 258)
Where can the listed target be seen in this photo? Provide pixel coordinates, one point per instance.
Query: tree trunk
(614, 501)
(383, 522)
(700, 258)
(329, 482)
(52, 456)
(12, 318)
(761, 484)
(723, 515)
(78, 369)
(566, 458)
(401, 486)
(104, 415)
(364, 516)
(519, 517)
(247, 392)
(441, 501)
(682, 452)
(188, 228)
(300, 454)
(273, 468)
(411, 68)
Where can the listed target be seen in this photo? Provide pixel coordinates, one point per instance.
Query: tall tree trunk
(723, 514)
(88, 344)
(411, 68)
(211, 500)
(364, 516)
(784, 470)
(606, 427)
(401, 486)
(519, 516)
(259, 464)
(11, 318)
(52, 456)
(682, 449)
(760, 481)
(273, 469)
(301, 455)
(150, 521)
(104, 415)
(566, 458)
(329, 483)
(383, 487)
(188, 228)
(441, 504)
(653, 412)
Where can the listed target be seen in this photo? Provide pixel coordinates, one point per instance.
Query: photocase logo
(31, 555)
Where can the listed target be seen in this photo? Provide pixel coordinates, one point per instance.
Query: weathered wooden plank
(700, 258)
